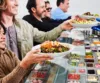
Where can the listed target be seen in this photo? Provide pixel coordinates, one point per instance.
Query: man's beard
(41, 14)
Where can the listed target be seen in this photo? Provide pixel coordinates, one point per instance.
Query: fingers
(35, 51)
(41, 60)
(44, 56)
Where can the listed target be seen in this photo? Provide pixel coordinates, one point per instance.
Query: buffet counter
(82, 65)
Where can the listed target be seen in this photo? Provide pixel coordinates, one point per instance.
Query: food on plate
(92, 78)
(53, 47)
(74, 76)
(82, 22)
(89, 14)
(79, 20)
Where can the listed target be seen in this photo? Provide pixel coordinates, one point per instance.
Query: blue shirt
(58, 14)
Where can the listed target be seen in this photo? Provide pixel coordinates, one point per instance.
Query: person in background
(60, 12)
(47, 15)
(48, 9)
(20, 34)
(12, 70)
(37, 10)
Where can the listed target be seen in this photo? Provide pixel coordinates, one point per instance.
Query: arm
(40, 36)
(43, 26)
(16, 75)
(56, 21)
(10, 73)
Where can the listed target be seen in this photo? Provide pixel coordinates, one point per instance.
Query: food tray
(58, 74)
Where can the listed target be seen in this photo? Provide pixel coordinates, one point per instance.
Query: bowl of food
(83, 23)
(89, 15)
(54, 48)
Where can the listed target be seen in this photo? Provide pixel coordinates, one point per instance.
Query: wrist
(24, 65)
(62, 28)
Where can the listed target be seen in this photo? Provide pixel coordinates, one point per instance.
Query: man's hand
(66, 25)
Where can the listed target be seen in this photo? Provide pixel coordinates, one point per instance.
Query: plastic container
(96, 30)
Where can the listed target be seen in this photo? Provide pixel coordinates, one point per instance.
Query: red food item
(97, 65)
(70, 76)
(74, 76)
(41, 74)
(82, 70)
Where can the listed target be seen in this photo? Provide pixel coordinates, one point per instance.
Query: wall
(76, 6)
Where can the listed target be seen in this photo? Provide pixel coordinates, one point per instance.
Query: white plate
(61, 54)
(84, 25)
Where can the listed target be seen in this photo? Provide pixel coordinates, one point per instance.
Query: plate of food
(54, 48)
(89, 15)
(83, 23)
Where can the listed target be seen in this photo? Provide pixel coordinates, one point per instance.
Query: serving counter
(82, 65)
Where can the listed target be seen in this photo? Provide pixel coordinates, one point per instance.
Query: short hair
(47, 2)
(30, 4)
(60, 1)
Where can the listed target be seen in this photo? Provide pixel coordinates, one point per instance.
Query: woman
(11, 69)
(20, 34)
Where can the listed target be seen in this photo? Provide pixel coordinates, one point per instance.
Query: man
(48, 9)
(37, 10)
(60, 12)
(20, 34)
(47, 15)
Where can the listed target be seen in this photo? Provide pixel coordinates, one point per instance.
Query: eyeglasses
(49, 9)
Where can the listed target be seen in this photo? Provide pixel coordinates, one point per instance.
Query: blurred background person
(47, 15)
(60, 13)
(37, 10)
(48, 9)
